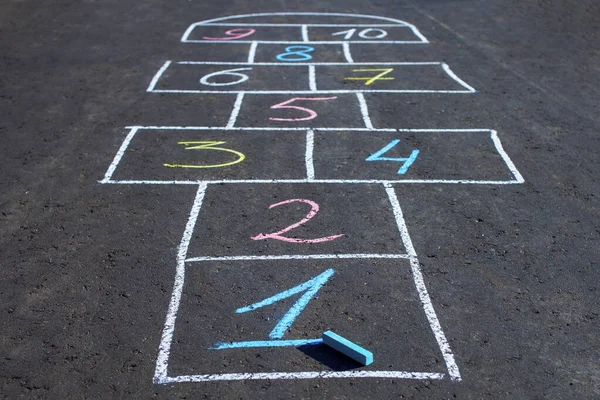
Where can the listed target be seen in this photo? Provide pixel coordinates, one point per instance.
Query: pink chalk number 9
(234, 34)
(314, 209)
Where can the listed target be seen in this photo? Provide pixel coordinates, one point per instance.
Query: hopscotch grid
(161, 375)
(164, 350)
(434, 322)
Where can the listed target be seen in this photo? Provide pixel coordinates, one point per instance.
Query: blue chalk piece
(348, 348)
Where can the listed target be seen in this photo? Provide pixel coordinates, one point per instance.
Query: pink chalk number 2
(314, 209)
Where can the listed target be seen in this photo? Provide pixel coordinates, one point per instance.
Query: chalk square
(299, 53)
(218, 33)
(174, 155)
(209, 77)
(397, 77)
(233, 218)
(442, 156)
(369, 34)
(328, 110)
(374, 302)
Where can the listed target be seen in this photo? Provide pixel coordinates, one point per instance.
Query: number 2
(314, 209)
(311, 113)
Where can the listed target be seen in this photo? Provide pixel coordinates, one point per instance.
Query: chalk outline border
(312, 86)
(217, 21)
(162, 362)
(518, 178)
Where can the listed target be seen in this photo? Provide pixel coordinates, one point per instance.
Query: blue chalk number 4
(406, 162)
(310, 289)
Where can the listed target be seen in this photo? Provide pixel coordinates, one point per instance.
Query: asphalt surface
(88, 268)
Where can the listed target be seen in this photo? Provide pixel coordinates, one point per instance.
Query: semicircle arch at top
(233, 18)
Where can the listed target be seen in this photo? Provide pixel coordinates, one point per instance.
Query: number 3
(314, 209)
(311, 113)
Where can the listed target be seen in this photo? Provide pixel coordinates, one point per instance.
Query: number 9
(234, 34)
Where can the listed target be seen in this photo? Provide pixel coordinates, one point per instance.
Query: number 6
(243, 77)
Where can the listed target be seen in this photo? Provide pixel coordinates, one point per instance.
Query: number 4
(406, 162)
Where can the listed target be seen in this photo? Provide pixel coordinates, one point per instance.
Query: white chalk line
(303, 375)
(311, 25)
(252, 52)
(511, 166)
(364, 111)
(299, 257)
(164, 350)
(120, 153)
(305, 33)
(266, 128)
(157, 76)
(434, 323)
(397, 22)
(312, 78)
(236, 110)
(308, 155)
(457, 79)
(340, 91)
(347, 53)
(327, 181)
(295, 64)
(338, 42)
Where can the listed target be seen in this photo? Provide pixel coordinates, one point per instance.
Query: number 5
(311, 113)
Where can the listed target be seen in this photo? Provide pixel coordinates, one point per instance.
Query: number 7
(311, 113)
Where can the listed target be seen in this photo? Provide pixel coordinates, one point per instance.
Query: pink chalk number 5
(314, 209)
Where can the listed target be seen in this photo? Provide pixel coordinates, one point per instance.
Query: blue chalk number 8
(296, 53)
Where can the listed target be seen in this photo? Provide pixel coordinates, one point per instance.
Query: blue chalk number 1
(406, 162)
(310, 289)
